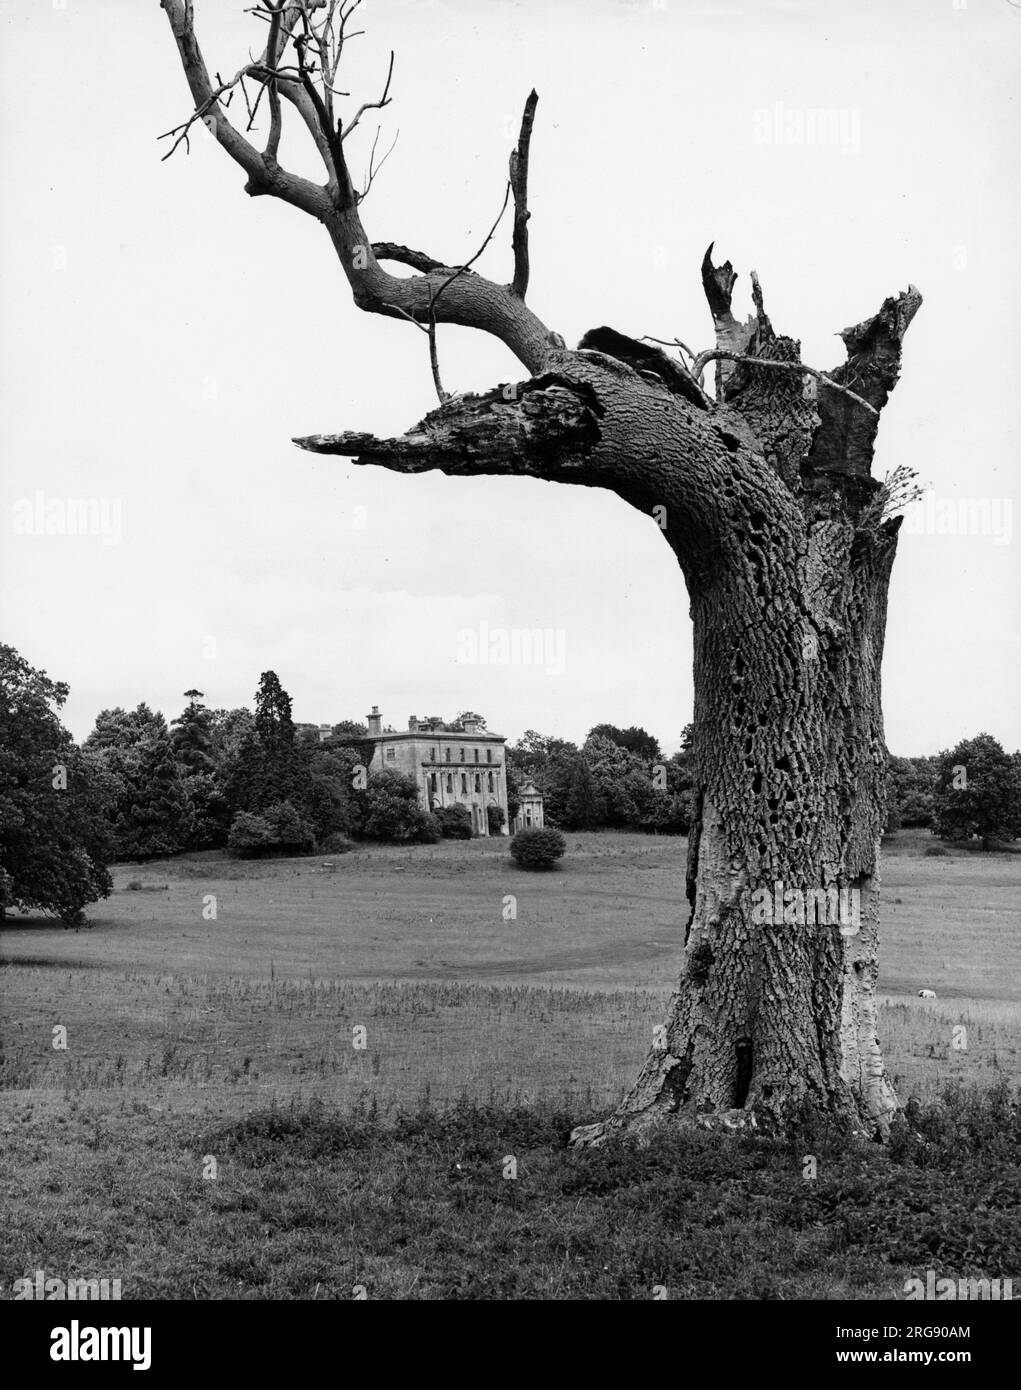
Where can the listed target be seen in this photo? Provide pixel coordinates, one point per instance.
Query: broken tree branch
(519, 186)
(718, 354)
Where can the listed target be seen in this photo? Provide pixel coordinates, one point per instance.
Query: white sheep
(927, 994)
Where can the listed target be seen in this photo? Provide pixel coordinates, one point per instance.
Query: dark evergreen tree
(190, 737)
(269, 766)
(158, 819)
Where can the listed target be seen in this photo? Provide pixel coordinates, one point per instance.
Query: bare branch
(272, 53)
(519, 186)
(316, 29)
(390, 251)
(374, 168)
(462, 269)
(434, 361)
(371, 105)
(263, 177)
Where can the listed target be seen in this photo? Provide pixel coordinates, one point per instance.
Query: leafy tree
(279, 829)
(978, 792)
(673, 806)
(228, 729)
(250, 835)
(635, 740)
(391, 808)
(210, 813)
(558, 771)
(622, 780)
(495, 819)
(470, 714)
(125, 729)
(292, 831)
(570, 795)
(349, 731)
(911, 784)
(54, 841)
(333, 806)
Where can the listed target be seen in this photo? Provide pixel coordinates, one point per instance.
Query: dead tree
(763, 490)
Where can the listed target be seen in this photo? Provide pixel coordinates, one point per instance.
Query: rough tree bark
(764, 494)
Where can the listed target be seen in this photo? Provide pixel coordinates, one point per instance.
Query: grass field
(387, 980)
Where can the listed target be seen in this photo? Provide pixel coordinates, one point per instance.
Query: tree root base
(642, 1125)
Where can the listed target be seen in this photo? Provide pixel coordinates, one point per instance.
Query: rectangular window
(391, 755)
(432, 754)
(462, 755)
(490, 775)
(476, 752)
(447, 754)
(489, 755)
(464, 782)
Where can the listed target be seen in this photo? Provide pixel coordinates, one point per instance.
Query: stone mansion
(453, 764)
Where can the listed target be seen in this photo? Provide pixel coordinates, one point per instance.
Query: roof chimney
(374, 720)
(413, 723)
(471, 725)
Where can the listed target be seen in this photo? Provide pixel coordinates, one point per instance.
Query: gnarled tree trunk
(765, 495)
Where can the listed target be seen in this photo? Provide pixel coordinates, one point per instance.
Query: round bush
(537, 849)
(335, 843)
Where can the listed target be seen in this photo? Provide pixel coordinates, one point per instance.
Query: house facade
(453, 765)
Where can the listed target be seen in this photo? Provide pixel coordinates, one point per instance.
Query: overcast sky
(164, 336)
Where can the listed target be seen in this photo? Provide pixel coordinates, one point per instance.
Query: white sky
(163, 337)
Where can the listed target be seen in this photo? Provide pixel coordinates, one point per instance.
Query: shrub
(495, 819)
(135, 886)
(537, 849)
(391, 808)
(250, 834)
(430, 833)
(291, 831)
(935, 851)
(335, 844)
(455, 822)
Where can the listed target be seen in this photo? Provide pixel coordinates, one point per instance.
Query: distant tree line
(617, 779)
(255, 783)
